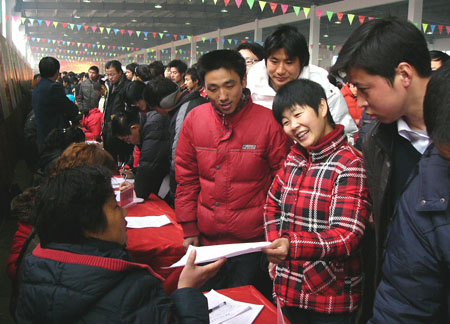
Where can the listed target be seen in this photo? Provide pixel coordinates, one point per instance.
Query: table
(249, 294)
(156, 246)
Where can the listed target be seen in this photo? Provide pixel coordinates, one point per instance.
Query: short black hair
(255, 48)
(193, 72)
(291, 40)
(436, 106)
(157, 89)
(301, 92)
(180, 65)
(66, 79)
(70, 203)
(122, 122)
(143, 72)
(48, 67)
(134, 92)
(156, 69)
(378, 46)
(36, 76)
(114, 64)
(227, 59)
(132, 67)
(94, 68)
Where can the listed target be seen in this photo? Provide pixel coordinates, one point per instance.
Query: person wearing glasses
(287, 59)
(252, 53)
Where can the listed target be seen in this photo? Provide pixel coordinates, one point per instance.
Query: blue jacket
(59, 292)
(415, 285)
(52, 109)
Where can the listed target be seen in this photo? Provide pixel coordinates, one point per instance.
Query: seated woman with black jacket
(81, 272)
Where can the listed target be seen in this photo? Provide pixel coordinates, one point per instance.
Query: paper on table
(117, 181)
(147, 221)
(233, 312)
(215, 252)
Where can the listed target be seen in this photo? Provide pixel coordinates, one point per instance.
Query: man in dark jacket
(391, 81)
(88, 98)
(168, 99)
(52, 109)
(150, 133)
(415, 283)
(115, 104)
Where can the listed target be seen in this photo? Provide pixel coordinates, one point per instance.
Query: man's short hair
(66, 79)
(132, 67)
(134, 92)
(123, 121)
(48, 67)
(291, 40)
(380, 45)
(255, 48)
(94, 68)
(114, 64)
(158, 89)
(143, 72)
(193, 72)
(439, 56)
(156, 69)
(301, 92)
(227, 59)
(70, 203)
(436, 106)
(180, 65)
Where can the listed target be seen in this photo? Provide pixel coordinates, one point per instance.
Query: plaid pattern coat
(319, 201)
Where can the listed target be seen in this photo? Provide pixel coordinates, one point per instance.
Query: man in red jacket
(228, 152)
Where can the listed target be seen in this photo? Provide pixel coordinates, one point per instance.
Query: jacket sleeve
(82, 100)
(349, 210)
(61, 102)
(187, 176)
(19, 240)
(272, 209)
(191, 306)
(339, 112)
(154, 158)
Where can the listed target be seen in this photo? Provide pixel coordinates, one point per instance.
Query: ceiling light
(165, 31)
(65, 35)
(158, 6)
(246, 37)
(325, 35)
(187, 23)
(429, 32)
(337, 22)
(76, 17)
(145, 38)
(131, 43)
(224, 10)
(106, 37)
(87, 1)
(133, 20)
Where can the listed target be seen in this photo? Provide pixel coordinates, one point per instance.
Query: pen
(217, 307)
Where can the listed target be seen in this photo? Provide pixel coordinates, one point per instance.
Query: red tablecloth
(157, 246)
(249, 294)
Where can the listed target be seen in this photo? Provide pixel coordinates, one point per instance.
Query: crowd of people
(345, 172)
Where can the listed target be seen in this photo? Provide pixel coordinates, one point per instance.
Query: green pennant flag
(330, 15)
(296, 9)
(189, 37)
(306, 11)
(31, 20)
(54, 41)
(108, 30)
(350, 18)
(138, 32)
(250, 3)
(22, 19)
(72, 26)
(229, 40)
(203, 39)
(328, 47)
(161, 35)
(424, 26)
(416, 24)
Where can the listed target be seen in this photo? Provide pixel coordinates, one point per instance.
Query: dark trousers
(304, 316)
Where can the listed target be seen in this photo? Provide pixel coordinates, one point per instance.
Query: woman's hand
(126, 173)
(125, 185)
(194, 276)
(271, 269)
(278, 251)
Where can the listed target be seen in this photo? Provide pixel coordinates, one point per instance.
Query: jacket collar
(243, 104)
(384, 134)
(327, 146)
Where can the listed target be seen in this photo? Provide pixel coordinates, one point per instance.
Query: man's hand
(194, 276)
(191, 240)
(277, 251)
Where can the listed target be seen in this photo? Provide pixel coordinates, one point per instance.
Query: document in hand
(216, 252)
(229, 311)
(147, 221)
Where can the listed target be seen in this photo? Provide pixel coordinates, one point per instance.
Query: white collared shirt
(418, 138)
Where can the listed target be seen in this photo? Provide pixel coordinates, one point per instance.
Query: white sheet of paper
(233, 312)
(117, 181)
(147, 221)
(215, 252)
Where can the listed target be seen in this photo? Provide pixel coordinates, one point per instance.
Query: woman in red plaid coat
(315, 212)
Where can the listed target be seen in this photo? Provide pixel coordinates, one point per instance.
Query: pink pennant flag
(130, 32)
(114, 47)
(175, 36)
(83, 44)
(48, 22)
(44, 40)
(109, 46)
(89, 45)
(196, 38)
(273, 6)
(58, 41)
(64, 25)
(28, 37)
(7, 17)
(94, 28)
(448, 29)
(15, 18)
(361, 19)
(319, 13)
(73, 43)
(238, 3)
(371, 18)
(284, 8)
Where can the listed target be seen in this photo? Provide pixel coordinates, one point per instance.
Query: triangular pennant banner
(55, 23)
(361, 19)
(306, 11)
(441, 28)
(138, 33)
(94, 28)
(226, 2)
(433, 27)
(238, 3)
(448, 29)
(284, 8)
(72, 26)
(86, 27)
(319, 13)
(145, 34)
(130, 32)
(47, 22)
(273, 6)
(79, 27)
(122, 31)
(250, 3)
(39, 21)
(161, 35)
(108, 30)
(340, 15)
(330, 15)
(424, 26)
(296, 10)
(350, 18)
(23, 20)
(31, 20)
(262, 4)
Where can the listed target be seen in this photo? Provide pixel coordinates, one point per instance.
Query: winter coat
(224, 166)
(354, 110)
(92, 125)
(415, 283)
(87, 98)
(263, 94)
(115, 100)
(52, 109)
(99, 290)
(154, 154)
(319, 202)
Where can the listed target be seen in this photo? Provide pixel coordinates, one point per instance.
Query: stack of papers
(147, 221)
(223, 309)
(215, 252)
(117, 181)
